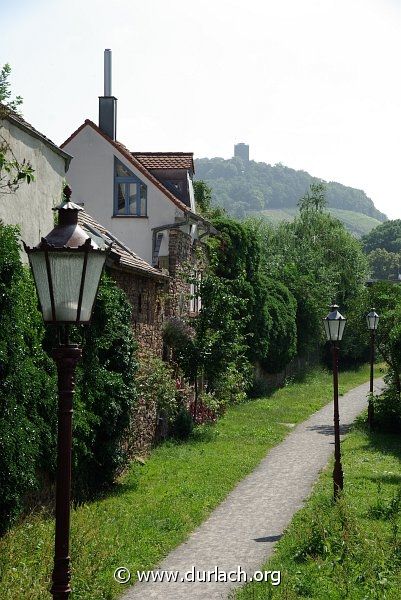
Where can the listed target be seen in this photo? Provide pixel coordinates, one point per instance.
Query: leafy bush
(27, 386)
(105, 393)
(104, 396)
(155, 381)
(232, 386)
(387, 410)
(282, 309)
(183, 424)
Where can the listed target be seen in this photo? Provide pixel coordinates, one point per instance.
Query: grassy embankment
(156, 505)
(352, 549)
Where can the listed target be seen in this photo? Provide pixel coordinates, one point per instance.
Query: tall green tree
(318, 261)
(384, 264)
(386, 236)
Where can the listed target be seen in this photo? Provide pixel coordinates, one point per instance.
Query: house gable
(132, 160)
(92, 179)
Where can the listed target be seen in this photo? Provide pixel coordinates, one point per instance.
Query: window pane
(143, 200)
(132, 198)
(122, 171)
(121, 198)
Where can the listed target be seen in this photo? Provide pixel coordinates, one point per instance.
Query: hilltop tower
(242, 151)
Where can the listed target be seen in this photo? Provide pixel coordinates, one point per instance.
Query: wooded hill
(257, 188)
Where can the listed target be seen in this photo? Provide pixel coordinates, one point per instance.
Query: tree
(318, 261)
(12, 171)
(386, 297)
(314, 200)
(5, 91)
(203, 201)
(386, 236)
(384, 264)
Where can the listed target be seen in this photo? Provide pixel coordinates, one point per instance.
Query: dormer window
(130, 193)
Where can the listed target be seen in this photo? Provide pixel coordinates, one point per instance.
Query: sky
(313, 84)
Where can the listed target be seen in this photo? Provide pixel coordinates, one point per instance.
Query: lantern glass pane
(327, 329)
(334, 329)
(94, 268)
(341, 329)
(333, 326)
(38, 265)
(66, 270)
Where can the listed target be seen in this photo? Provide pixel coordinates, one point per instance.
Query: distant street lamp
(67, 266)
(372, 320)
(334, 325)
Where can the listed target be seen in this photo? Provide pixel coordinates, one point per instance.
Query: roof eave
(119, 266)
(198, 219)
(67, 157)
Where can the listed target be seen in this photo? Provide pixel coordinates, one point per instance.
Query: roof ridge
(159, 153)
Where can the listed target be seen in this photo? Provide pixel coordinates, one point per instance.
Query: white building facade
(30, 206)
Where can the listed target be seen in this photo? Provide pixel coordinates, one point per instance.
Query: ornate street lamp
(67, 266)
(334, 325)
(372, 320)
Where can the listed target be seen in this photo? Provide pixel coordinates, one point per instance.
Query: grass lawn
(352, 549)
(156, 505)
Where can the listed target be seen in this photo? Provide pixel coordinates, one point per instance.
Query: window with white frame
(130, 193)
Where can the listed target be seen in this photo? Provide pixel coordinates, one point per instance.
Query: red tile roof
(132, 159)
(166, 160)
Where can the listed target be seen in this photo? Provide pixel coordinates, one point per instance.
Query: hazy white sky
(314, 84)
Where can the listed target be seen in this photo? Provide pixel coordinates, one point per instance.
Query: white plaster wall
(30, 207)
(91, 177)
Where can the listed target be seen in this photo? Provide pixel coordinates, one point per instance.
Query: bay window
(130, 193)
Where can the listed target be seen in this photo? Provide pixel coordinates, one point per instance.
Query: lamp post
(334, 325)
(67, 266)
(372, 320)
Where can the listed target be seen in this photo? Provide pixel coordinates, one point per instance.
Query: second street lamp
(334, 325)
(372, 320)
(67, 266)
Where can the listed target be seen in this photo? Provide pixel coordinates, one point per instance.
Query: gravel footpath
(243, 529)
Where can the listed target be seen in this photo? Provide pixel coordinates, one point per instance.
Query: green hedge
(27, 385)
(28, 400)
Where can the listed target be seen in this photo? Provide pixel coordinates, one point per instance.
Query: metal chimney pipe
(107, 72)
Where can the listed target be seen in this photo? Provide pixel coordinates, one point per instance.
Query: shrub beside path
(243, 529)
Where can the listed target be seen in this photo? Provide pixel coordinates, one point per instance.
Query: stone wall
(185, 257)
(295, 368)
(180, 256)
(142, 431)
(153, 302)
(147, 297)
